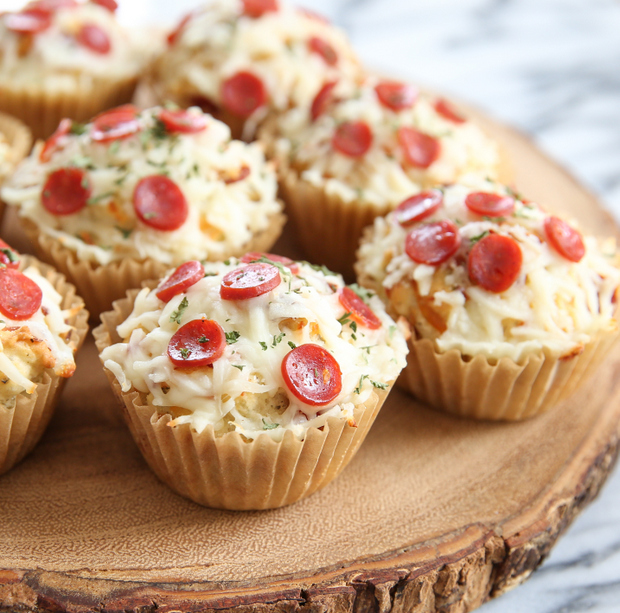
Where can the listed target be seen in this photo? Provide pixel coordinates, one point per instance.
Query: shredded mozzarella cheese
(382, 176)
(49, 325)
(554, 304)
(244, 390)
(55, 60)
(224, 213)
(220, 41)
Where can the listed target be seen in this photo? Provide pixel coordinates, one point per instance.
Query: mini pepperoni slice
(20, 296)
(495, 262)
(183, 277)
(358, 309)
(29, 21)
(160, 203)
(94, 38)
(257, 8)
(312, 374)
(489, 204)
(182, 121)
(395, 95)
(254, 256)
(418, 207)
(322, 100)
(250, 281)
(419, 149)
(444, 108)
(52, 143)
(321, 47)
(66, 191)
(115, 124)
(565, 240)
(352, 138)
(111, 5)
(243, 93)
(8, 256)
(199, 342)
(433, 243)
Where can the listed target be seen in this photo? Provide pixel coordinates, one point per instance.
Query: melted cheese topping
(244, 390)
(28, 347)
(224, 214)
(554, 304)
(382, 176)
(55, 60)
(220, 41)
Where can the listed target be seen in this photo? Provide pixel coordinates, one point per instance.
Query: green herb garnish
(277, 339)
(95, 199)
(176, 315)
(475, 239)
(267, 426)
(232, 337)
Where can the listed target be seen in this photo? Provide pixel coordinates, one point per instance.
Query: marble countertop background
(552, 69)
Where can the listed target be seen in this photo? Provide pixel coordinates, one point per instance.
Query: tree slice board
(435, 513)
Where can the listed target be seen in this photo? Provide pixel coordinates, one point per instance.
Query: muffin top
(57, 43)
(162, 183)
(261, 344)
(380, 141)
(249, 56)
(34, 334)
(487, 272)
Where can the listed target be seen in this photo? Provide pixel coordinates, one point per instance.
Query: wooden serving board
(434, 513)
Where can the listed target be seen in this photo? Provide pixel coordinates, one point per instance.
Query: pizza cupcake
(360, 150)
(64, 58)
(42, 324)
(511, 306)
(242, 60)
(250, 384)
(123, 198)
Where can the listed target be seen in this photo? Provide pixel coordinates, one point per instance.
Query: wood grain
(434, 513)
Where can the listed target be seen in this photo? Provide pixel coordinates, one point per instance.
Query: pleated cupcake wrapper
(502, 391)
(328, 228)
(42, 109)
(21, 427)
(228, 472)
(99, 285)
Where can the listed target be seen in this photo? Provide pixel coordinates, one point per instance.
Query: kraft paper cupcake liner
(474, 387)
(327, 228)
(100, 285)
(230, 472)
(42, 109)
(22, 426)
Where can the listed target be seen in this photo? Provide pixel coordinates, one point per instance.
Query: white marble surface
(551, 68)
